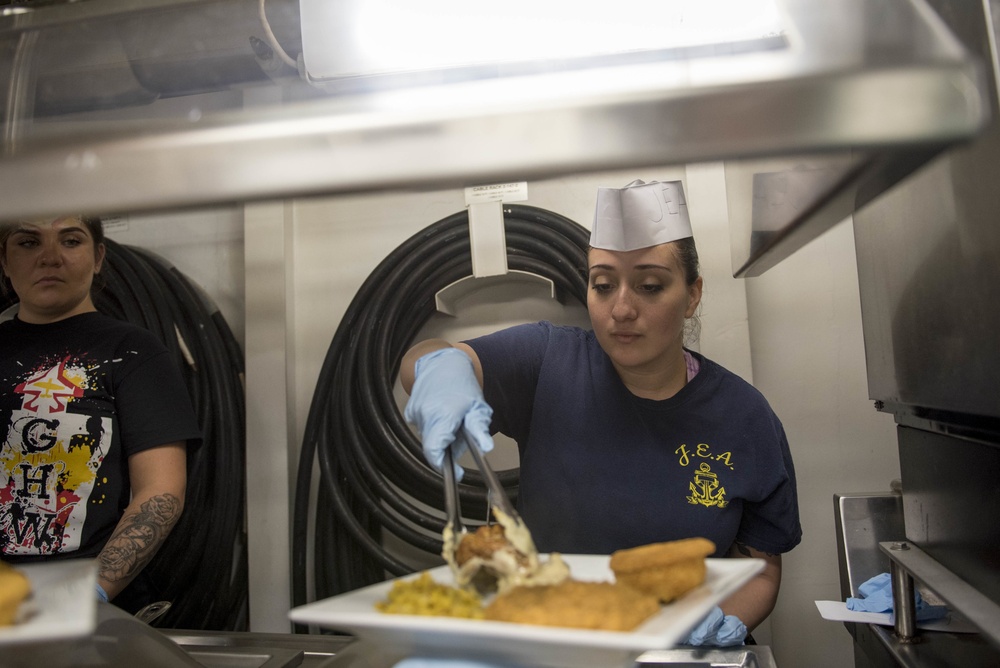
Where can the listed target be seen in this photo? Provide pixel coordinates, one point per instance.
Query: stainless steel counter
(122, 641)
(259, 650)
(754, 656)
(271, 650)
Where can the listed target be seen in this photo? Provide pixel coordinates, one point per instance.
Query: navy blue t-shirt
(603, 469)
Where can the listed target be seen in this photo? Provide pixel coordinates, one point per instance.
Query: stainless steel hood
(125, 106)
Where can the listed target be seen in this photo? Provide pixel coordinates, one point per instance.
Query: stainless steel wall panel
(929, 270)
(950, 502)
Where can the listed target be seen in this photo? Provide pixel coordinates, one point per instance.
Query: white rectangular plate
(355, 613)
(64, 602)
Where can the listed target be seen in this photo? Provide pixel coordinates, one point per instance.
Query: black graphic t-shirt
(78, 397)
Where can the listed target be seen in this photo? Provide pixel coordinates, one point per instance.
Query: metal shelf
(867, 90)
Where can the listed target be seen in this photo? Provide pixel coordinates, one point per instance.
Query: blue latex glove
(718, 630)
(876, 596)
(446, 395)
(101, 594)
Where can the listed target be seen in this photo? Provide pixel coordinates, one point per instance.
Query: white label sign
(497, 192)
(114, 224)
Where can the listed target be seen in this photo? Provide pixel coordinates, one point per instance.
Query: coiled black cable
(373, 477)
(202, 567)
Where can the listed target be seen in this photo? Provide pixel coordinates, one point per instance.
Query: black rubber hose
(373, 480)
(202, 567)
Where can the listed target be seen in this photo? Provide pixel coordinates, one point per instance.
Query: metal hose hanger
(202, 567)
(373, 478)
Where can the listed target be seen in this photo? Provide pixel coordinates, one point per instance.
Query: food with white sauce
(500, 557)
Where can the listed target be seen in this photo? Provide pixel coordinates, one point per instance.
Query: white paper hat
(640, 215)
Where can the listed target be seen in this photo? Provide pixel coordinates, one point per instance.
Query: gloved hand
(876, 596)
(718, 630)
(446, 395)
(101, 594)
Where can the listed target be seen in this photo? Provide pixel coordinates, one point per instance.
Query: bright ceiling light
(366, 37)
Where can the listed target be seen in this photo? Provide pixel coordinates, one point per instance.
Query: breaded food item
(572, 603)
(14, 589)
(423, 596)
(483, 543)
(665, 570)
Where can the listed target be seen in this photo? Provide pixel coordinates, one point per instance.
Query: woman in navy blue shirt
(625, 436)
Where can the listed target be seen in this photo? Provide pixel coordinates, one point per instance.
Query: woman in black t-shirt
(95, 419)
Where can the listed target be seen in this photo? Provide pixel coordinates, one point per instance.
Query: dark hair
(94, 226)
(687, 255)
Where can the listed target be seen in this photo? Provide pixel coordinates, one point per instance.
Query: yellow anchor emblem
(705, 489)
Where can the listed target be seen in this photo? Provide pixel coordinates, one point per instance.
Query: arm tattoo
(137, 538)
(744, 550)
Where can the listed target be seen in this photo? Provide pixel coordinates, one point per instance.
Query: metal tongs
(452, 505)
(497, 498)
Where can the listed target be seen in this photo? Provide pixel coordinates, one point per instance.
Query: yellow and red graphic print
(49, 462)
(706, 487)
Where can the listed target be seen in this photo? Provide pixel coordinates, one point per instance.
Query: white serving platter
(355, 613)
(63, 604)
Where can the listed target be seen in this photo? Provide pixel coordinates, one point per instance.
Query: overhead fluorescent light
(352, 38)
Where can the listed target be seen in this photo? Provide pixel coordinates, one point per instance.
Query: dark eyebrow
(63, 231)
(641, 267)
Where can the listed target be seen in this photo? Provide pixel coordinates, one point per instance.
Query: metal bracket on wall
(488, 242)
(448, 297)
